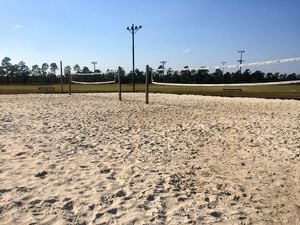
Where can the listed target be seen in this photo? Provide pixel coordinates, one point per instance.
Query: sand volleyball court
(90, 159)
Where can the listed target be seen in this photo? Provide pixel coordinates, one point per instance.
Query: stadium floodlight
(133, 29)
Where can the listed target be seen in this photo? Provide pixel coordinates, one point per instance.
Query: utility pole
(223, 65)
(163, 63)
(94, 63)
(241, 59)
(133, 29)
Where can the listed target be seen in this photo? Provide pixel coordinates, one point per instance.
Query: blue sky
(182, 32)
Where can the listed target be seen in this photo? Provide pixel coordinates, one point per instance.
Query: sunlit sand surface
(90, 159)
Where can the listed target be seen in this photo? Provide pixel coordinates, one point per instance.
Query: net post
(61, 78)
(70, 83)
(120, 84)
(147, 84)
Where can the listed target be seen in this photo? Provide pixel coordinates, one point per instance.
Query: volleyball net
(93, 78)
(280, 66)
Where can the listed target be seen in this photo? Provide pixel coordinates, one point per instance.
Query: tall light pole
(94, 63)
(241, 59)
(223, 65)
(133, 29)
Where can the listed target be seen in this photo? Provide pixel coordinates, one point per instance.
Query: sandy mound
(89, 159)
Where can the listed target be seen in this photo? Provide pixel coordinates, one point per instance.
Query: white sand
(90, 159)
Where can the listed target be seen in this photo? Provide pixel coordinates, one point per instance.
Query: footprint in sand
(41, 174)
(68, 205)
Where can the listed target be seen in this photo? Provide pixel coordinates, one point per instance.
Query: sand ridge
(90, 159)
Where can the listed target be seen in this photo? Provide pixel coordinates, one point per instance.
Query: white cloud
(18, 26)
(187, 51)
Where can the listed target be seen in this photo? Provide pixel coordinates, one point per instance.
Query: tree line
(203, 76)
(20, 73)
